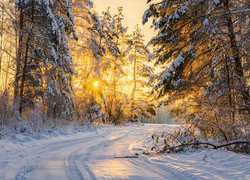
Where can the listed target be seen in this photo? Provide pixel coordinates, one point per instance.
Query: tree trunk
(21, 95)
(18, 59)
(7, 74)
(135, 85)
(230, 93)
(101, 83)
(236, 56)
(1, 48)
(26, 59)
(113, 104)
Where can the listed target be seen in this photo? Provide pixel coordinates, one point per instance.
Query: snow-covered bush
(35, 125)
(94, 112)
(5, 108)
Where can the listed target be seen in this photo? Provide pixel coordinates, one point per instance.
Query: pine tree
(31, 85)
(45, 59)
(205, 75)
(59, 64)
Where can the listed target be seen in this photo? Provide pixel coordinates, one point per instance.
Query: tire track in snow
(92, 156)
(71, 168)
(17, 166)
(67, 157)
(124, 168)
(22, 173)
(71, 165)
(70, 162)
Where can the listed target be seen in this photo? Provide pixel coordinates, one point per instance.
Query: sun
(96, 84)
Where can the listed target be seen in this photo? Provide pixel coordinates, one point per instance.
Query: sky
(133, 11)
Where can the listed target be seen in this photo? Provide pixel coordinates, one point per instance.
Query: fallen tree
(187, 138)
(198, 143)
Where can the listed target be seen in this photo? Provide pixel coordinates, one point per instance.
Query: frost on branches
(51, 21)
(201, 46)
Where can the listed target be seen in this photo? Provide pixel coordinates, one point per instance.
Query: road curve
(100, 155)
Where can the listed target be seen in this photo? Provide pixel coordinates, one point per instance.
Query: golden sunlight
(96, 84)
(125, 89)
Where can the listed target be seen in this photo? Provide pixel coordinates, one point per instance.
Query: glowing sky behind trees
(133, 11)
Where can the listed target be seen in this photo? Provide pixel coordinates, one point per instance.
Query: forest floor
(108, 153)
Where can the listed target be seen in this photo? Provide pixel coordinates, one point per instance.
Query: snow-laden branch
(198, 143)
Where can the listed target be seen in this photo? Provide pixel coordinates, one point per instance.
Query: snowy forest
(62, 62)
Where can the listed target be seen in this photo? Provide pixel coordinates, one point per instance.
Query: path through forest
(101, 155)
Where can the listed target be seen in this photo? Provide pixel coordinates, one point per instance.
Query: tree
(59, 64)
(1, 41)
(87, 60)
(107, 42)
(142, 75)
(197, 42)
(45, 59)
(7, 44)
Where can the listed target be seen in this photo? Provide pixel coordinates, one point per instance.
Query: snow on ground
(99, 154)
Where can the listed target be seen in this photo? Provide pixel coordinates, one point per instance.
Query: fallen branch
(127, 157)
(206, 143)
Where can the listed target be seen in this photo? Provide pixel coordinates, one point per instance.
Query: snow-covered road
(99, 155)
